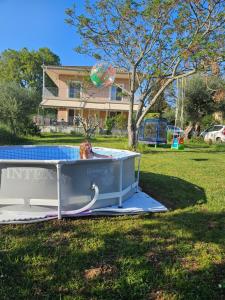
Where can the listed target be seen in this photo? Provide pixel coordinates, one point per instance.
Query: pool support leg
(121, 184)
(58, 167)
(138, 174)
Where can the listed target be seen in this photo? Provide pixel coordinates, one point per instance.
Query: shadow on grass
(173, 192)
(200, 159)
(95, 259)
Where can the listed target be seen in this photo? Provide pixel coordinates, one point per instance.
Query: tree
(89, 124)
(169, 114)
(160, 105)
(109, 124)
(162, 40)
(204, 95)
(120, 122)
(16, 106)
(25, 67)
(198, 101)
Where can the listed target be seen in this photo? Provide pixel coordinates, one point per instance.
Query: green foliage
(109, 124)
(160, 105)
(151, 115)
(196, 140)
(16, 106)
(142, 148)
(198, 99)
(25, 67)
(169, 115)
(169, 136)
(207, 121)
(7, 137)
(31, 129)
(120, 122)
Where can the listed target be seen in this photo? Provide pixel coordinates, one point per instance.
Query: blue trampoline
(153, 132)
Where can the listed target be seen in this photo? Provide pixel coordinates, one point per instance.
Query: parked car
(175, 130)
(204, 132)
(214, 134)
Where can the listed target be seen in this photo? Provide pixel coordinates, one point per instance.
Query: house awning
(121, 106)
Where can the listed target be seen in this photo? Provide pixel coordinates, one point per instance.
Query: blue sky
(40, 23)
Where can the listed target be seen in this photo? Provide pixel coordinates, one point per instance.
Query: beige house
(71, 96)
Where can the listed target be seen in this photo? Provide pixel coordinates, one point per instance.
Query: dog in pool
(86, 151)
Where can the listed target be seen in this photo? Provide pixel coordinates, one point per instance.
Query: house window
(116, 93)
(74, 90)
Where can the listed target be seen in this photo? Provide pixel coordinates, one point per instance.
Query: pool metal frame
(97, 195)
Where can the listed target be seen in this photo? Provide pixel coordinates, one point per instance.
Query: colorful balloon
(102, 75)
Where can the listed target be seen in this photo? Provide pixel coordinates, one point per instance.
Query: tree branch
(167, 83)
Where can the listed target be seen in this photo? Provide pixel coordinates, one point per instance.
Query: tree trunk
(132, 136)
(189, 131)
(132, 128)
(197, 129)
(12, 126)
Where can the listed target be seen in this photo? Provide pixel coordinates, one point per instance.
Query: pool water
(39, 153)
(58, 153)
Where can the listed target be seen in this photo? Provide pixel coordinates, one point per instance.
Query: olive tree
(16, 106)
(203, 96)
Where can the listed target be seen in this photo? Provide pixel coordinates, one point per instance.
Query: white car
(215, 134)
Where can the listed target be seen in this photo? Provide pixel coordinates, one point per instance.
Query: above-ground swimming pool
(36, 178)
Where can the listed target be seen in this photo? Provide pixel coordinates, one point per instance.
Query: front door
(71, 117)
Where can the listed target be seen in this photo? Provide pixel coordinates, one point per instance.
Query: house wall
(91, 93)
(62, 114)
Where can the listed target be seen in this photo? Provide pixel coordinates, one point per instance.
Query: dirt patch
(189, 264)
(161, 295)
(102, 271)
(57, 241)
(156, 295)
(156, 258)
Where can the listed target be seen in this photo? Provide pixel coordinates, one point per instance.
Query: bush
(152, 115)
(169, 136)
(143, 148)
(120, 122)
(75, 133)
(16, 106)
(109, 124)
(207, 121)
(196, 140)
(32, 129)
(8, 138)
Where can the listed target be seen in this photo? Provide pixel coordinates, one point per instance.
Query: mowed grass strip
(175, 255)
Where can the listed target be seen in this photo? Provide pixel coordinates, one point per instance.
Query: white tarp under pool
(137, 204)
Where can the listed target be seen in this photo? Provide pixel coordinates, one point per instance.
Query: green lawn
(174, 255)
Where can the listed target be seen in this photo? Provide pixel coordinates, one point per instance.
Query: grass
(175, 255)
